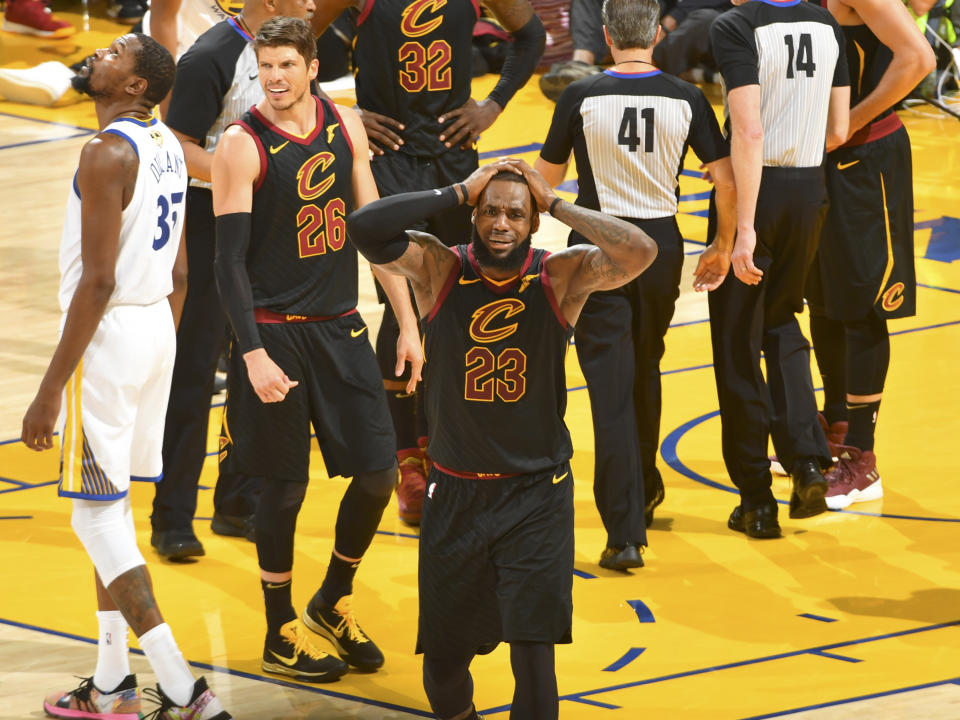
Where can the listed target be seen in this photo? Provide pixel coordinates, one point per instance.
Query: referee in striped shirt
(787, 94)
(629, 128)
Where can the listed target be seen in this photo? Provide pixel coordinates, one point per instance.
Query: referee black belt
(262, 315)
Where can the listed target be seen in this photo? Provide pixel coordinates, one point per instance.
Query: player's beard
(81, 83)
(512, 261)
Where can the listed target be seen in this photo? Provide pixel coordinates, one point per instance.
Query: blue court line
(46, 140)
(628, 657)
(46, 122)
(16, 517)
(668, 450)
(578, 697)
(397, 534)
(705, 195)
(584, 574)
(29, 487)
(594, 703)
(238, 673)
(644, 614)
(14, 482)
(938, 287)
(516, 150)
(820, 618)
(834, 656)
(847, 701)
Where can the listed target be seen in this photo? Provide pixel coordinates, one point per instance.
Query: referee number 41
(629, 134)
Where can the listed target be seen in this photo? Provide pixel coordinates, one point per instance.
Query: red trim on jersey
(333, 106)
(472, 475)
(263, 153)
(240, 29)
(551, 297)
(447, 286)
(269, 317)
(875, 130)
(368, 6)
(293, 138)
(492, 286)
(476, 8)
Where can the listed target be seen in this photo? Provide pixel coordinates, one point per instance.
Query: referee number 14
(803, 55)
(629, 129)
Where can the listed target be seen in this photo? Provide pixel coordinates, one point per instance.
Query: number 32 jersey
(495, 382)
(151, 223)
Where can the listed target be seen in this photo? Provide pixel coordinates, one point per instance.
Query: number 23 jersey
(150, 224)
(495, 380)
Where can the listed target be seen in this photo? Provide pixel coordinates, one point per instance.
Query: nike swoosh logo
(255, 76)
(844, 166)
(464, 281)
(560, 479)
(272, 586)
(404, 396)
(289, 662)
(278, 148)
(358, 333)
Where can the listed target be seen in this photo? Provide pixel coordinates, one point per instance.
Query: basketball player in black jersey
(496, 541)
(787, 95)
(414, 67)
(865, 271)
(284, 179)
(629, 128)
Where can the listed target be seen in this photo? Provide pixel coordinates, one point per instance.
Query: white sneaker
(44, 84)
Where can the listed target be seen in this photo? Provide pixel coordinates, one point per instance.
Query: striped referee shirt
(794, 51)
(217, 82)
(629, 133)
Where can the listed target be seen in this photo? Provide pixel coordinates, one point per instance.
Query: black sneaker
(126, 12)
(234, 526)
(338, 625)
(555, 81)
(617, 558)
(203, 705)
(291, 653)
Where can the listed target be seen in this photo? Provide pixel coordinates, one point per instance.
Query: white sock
(113, 662)
(173, 674)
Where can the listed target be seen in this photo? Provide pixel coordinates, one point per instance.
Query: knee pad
(379, 484)
(276, 523)
(361, 509)
(105, 528)
(868, 355)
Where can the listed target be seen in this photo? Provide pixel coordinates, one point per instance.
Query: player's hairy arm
(105, 178)
(395, 287)
(912, 59)
(714, 262)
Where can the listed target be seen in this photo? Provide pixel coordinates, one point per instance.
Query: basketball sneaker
(854, 478)
(123, 703)
(291, 653)
(34, 17)
(203, 705)
(555, 80)
(338, 625)
(413, 485)
(836, 433)
(44, 84)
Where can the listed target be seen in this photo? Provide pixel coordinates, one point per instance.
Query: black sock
(338, 581)
(830, 348)
(276, 600)
(863, 423)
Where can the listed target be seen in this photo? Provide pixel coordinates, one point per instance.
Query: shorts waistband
(473, 476)
(262, 315)
(875, 130)
(793, 173)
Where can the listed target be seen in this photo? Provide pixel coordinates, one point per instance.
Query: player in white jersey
(111, 370)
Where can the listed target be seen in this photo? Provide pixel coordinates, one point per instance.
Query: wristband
(466, 195)
(553, 205)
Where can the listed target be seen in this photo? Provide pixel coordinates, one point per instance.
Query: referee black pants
(745, 319)
(619, 339)
(200, 339)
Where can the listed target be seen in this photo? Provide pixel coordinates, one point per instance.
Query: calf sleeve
(448, 685)
(276, 523)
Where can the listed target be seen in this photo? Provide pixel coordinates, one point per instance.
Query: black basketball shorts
(340, 394)
(496, 561)
(866, 247)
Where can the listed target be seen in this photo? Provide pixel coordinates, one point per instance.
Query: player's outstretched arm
(529, 38)
(105, 179)
(912, 59)
(326, 11)
(365, 192)
(619, 253)
(236, 166)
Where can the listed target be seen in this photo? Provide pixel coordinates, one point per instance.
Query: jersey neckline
(300, 140)
(499, 287)
(649, 73)
(781, 3)
(232, 21)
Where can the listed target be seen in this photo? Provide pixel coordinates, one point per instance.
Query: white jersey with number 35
(151, 223)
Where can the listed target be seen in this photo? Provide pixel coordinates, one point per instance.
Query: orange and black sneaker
(291, 652)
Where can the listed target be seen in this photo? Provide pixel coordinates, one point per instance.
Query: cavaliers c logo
(412, 26)
(483, 317)
(307, 187)
(893, 297)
